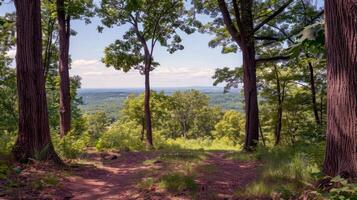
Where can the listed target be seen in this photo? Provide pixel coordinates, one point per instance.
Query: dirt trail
(117, 179)
(223, 177)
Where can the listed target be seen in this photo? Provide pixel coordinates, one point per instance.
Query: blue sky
(193, 66)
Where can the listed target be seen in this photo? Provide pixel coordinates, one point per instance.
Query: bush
(121, 137)
(7, 140)
(70, 146)
(223, 143)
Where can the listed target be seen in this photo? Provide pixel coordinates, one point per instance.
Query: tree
(160, 104)
(67, 10)
(231, 125)
(341, 42)
(252, 26)
(34, 139)
(150, 22)
(242, 21)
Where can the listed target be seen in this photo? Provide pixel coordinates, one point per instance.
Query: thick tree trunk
(247, 45)
(149, 142)
(251, 99)
(34, 139)
(313, 95)
(341, 41)
(65, 95)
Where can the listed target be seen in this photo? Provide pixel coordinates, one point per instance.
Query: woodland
(289, 133)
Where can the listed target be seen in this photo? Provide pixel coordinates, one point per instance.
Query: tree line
(284, 44)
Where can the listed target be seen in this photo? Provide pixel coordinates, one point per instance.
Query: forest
(281, 125)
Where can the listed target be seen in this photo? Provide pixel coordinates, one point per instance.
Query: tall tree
(251, 26)
(341, 41)
(34, 139)
(243, 20)
(150, 22)
(65, 97)
(67, 10)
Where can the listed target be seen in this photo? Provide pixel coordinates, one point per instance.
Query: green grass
(285, 173)
(146, 183)
(241, 156)
(178, 182)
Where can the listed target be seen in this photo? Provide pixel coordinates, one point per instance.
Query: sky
(193, 66)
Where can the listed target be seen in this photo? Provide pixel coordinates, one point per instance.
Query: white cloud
(83, 62)
(96, 75)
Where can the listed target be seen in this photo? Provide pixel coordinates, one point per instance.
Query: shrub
(70, 146)
(7, 140)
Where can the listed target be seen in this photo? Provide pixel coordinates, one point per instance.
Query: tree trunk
(244, 37)
(280, 108)
(251, 99)
(149, 142)
(142, 130)
(341, 41)
(34, 140)
(313, 95)
(247, 46)
(65, 95)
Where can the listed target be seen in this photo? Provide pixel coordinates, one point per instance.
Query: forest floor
(186, 174)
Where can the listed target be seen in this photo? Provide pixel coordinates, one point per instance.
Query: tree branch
(237, 14)
(272, 16)
(266, 38)
(272, 59)
(228, 21)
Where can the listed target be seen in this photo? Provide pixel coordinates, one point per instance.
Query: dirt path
(223, 176)
(218, 178)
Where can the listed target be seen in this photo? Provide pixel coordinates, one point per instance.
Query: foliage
(231, 126)
(154, 21)
(192, 116)
(8, 91)
(70, 146)
(121, 137)
(343, 190)
(96, 124)
(286, 171)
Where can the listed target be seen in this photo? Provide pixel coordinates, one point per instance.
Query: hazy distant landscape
(111, 100)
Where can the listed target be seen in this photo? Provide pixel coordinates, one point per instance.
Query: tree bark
(34, 140)
(147, 110)
(247, 45)
(65, 95)
(341, 41)
(250, 98)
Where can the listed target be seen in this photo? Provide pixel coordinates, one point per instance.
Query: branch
(237, 14)
(272, 16)
(266, 38)
(272, 59)
(228, 21)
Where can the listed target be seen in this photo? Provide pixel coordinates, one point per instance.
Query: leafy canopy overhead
(150, 22)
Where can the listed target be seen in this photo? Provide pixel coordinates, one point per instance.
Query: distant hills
(110, 100)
